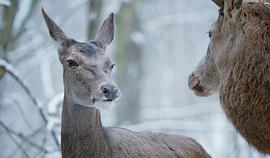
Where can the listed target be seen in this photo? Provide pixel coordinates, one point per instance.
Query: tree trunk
(129, 61)
(94, 17)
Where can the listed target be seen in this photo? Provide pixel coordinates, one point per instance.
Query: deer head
(225, 36)
(87, 68)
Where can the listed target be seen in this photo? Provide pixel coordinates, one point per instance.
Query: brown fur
(240, 50)
(245, 93)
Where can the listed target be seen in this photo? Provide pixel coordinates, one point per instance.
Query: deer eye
(71, 63)
(210, 34)
(112, 66)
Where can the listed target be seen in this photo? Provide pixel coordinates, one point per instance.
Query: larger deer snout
(195, 84)
(110, 92)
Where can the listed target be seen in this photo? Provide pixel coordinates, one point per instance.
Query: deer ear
(219, 3)
(105, 34)
(55, 31)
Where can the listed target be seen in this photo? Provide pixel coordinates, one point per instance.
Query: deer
(237, 66)
(88, 87)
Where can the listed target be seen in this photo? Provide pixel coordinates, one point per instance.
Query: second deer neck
(81, 131)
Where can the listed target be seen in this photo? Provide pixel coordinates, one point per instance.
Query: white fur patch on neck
(101, 105)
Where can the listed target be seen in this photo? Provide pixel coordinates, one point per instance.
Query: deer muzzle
(110, 92)
(195, 85)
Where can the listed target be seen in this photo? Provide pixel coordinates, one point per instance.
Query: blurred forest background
(157, 44)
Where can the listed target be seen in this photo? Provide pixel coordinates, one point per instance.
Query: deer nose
(193, 81)
(110, 92)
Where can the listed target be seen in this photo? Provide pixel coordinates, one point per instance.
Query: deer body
(87, 86)
(238, 66)
(84, 136)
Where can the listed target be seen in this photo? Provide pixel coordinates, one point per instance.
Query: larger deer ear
(105, 34)
(55, 31)
(219, 3)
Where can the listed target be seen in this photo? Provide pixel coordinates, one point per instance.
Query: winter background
(157, 44)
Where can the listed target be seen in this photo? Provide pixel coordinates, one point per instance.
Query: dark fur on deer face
(87, 69)
(237, 65)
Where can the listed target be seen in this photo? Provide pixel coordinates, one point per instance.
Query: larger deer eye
(71, 63)
(210, 34)
(112, 66)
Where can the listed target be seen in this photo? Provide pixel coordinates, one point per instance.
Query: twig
(14, 140)
(55, 138)
(43, 152)
(12, 71)
(16, 103)
(25, 20)
(21, 137)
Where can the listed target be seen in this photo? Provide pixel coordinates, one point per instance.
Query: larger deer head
(225, 38)
(87, 69)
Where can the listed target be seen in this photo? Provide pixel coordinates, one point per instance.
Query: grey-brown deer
(237, 65)
(87, 86)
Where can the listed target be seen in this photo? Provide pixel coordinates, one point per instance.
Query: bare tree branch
(16, 103)
(22, 137)
(12, 71)
(25, 20)
(55, 138)
(13, 139)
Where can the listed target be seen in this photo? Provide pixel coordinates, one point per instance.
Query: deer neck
(81, 131)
